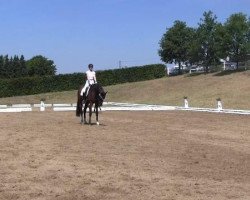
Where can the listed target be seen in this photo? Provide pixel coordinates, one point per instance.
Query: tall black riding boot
(83, 98)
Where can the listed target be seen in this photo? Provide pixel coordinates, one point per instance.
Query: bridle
(101, 97)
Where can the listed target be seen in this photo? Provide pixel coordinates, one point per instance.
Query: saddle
(86, 92)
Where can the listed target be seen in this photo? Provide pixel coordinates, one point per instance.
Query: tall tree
(7, 71)
(13, 62)
(237, 38)
(175, 43)
(23, 67)
(221, 41)
(206, 33)
(1, 66)
(16, 67)
(193, 50)
(40, 66)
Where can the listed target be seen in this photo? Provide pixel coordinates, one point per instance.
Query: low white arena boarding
(137, 108)
(212, 110)
(39, 105)
(120, 107)
(115, 106)
(15, 109)
(21, 106)
(60, 108)
(3, 106)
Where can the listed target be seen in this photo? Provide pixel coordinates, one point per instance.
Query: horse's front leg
(81, 118)
(81, 114)
(84, 113)
(90, 112)
(96, 114)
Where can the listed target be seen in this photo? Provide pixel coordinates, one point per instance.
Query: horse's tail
(78, 105)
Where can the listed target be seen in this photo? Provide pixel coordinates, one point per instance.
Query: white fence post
(219, 104)
(42, 106)
(186, 102)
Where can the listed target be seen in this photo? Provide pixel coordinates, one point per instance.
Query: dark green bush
(64, 82)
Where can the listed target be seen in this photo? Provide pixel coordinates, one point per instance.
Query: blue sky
(74, 33)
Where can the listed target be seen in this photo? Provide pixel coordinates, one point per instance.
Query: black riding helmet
(91, 66)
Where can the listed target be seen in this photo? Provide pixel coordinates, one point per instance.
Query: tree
(206, 41)
(6, 67)
(40, 66)
(16, 67)
(221, 41)
(237, 37)
(175, 43)
(1, 66)
(23, 67)
(193, 50)
(11, 68)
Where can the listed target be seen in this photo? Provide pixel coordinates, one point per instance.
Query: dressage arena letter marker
(186, 103)
(219, 105)
(42, 106)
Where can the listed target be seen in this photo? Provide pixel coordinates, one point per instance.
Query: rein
(100, 96)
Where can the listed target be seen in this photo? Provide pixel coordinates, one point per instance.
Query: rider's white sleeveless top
(91, 77)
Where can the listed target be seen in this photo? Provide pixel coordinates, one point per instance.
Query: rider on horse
(94, 95)
(91, 79)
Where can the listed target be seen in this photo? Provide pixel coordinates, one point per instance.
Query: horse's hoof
(97, 123)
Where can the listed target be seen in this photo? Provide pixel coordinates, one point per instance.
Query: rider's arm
(95, 78)
(88, 76)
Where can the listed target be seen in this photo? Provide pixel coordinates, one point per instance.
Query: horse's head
(101, 95)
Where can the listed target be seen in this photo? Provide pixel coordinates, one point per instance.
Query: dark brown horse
(96, 96)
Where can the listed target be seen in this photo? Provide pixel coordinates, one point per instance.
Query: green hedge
(64, 82)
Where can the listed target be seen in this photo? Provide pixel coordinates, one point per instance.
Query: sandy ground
(131, 155)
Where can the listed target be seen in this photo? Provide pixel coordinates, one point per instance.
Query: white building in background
(227, 65)
(183, 67)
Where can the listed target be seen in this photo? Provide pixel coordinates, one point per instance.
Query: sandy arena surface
(131, 155)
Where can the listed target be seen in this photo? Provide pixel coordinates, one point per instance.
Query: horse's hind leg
(81, 119)
(96, 114)
(84, 113)
(90, 112)
(81, 113)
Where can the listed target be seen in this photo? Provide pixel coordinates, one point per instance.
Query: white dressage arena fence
(21, 106)
(15, 109)
(115, 106)
(3, 106)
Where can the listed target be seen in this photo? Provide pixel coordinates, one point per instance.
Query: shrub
(64, 82)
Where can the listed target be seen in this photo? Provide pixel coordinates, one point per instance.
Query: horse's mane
(97, 87)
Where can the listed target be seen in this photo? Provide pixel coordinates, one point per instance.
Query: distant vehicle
(200, 69)
(174, 72)
(230, 66)
(193, 69)
(196, 68)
